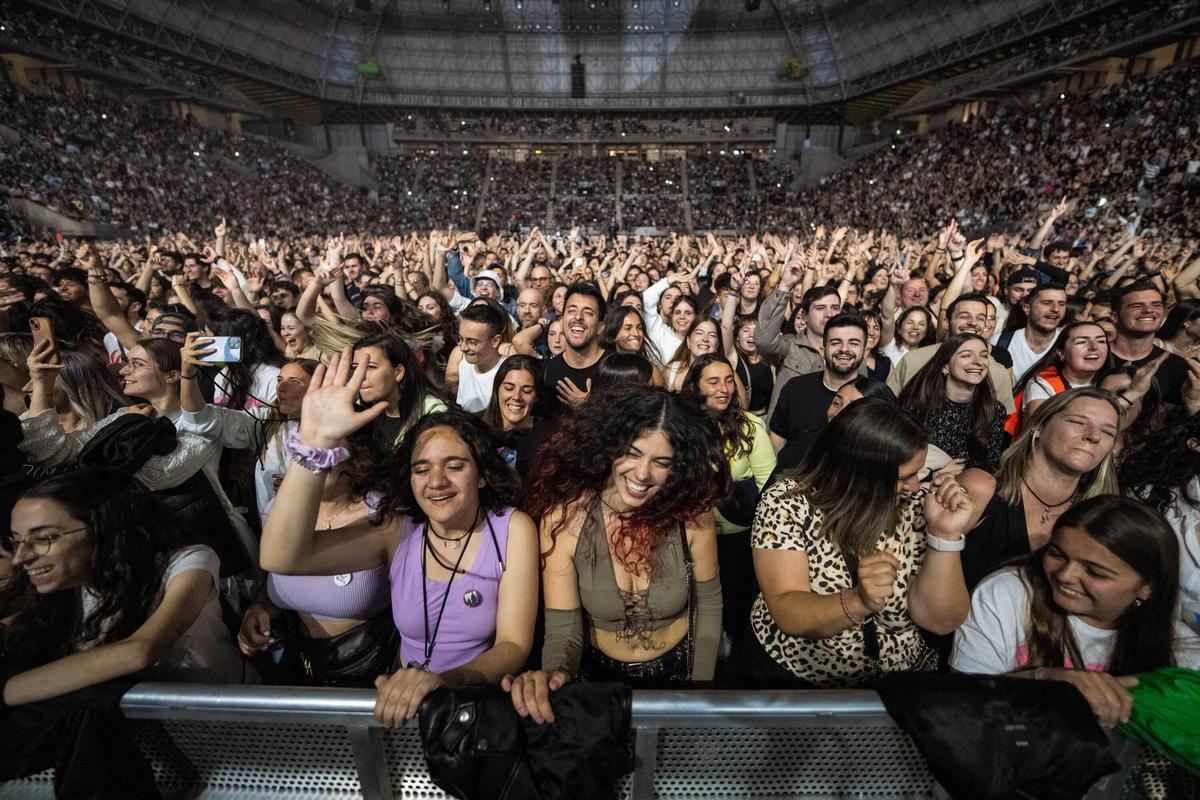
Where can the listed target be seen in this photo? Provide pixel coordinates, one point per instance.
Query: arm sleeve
(46, 443)
(229, 427)
(454, 269)
(563, 645)
(653, 293)
(769, 340)
(989, 642)
(1055, 274)
(707, 637)
(762, 455)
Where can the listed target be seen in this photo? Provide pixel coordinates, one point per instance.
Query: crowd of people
(901, 436)
(1127, 154)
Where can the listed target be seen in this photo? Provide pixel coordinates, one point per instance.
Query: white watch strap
(945, 545)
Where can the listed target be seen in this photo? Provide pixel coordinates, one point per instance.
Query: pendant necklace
(1046, 506)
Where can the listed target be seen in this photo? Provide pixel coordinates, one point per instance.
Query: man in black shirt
(1139, 311)
(568, 376)
(804, 401)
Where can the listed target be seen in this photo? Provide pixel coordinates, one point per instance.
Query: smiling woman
(84, 628)
(1094, 606)
(624, 490)
(1063, 456)
(460, 559)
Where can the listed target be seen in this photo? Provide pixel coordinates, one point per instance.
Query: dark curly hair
(575, 462)
(501, 487)
(737, 431)
(1160, 465)
(133, 537)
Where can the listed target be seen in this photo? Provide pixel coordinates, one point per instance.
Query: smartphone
(43, 331)
(226, 350)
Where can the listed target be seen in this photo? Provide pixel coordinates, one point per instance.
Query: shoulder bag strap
(691, 587)
(870, 634)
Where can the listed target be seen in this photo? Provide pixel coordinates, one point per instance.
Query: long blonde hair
(1015, 462)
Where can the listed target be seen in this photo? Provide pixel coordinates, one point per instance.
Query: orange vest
(1016, 420)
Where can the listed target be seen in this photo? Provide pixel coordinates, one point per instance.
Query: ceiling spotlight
(487, 5)
(897, 131)
(636, 4)
(237, 154)
(445, 5)
(520, 4)
(104, 116)
(1062, 97)
(196, 153)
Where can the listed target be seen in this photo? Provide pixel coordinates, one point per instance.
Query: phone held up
(225, 350)
(43, 331)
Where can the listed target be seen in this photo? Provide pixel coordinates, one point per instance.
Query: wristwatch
(945, 545)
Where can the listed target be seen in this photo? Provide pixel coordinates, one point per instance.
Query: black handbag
(478, 748)
(739, 508)
(353, 658)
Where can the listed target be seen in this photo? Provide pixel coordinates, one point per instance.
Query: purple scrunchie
(313, 458)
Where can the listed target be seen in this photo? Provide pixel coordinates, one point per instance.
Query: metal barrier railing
(220, 741)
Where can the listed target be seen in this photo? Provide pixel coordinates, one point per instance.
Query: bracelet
(188, 377)
(945, 545)
(313, 459)
(958, 257)
(846, 609)
(1120, 396)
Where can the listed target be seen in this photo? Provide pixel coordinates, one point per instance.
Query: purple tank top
(466, 631)
(353, 595)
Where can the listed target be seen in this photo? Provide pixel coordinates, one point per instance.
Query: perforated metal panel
(876, 762)
(406, 766)
(255, 759)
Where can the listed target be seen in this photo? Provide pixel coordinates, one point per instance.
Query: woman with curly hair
(108, 588)
(1163, 469)
(461, 561)
(624, 490)
(710, 384)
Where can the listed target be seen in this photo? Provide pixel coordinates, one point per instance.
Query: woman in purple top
(463, 563)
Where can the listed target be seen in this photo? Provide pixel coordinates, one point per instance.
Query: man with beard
(804, 401)
(967, 314)
(798, 353)
(568, 377)
(1044, 308)
(531, 310)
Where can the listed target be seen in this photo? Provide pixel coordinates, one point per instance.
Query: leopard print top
(785, 520)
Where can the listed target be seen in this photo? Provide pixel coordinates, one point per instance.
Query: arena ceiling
(847, 58)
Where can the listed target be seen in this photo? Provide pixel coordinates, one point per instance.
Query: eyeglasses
(40, 544)
(174, 336)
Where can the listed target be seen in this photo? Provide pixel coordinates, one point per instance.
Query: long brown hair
(850, 472)
(1140, 537)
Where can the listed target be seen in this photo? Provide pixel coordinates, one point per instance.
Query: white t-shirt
(1023, 356)
(992, 641)
(205, 653)
(263, 387)
(475, 387)
(1038, 389)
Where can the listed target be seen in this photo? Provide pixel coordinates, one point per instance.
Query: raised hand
(195, 347)
(328, 415)
(948, 507)
(220, 230)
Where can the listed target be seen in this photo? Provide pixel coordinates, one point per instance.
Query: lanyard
(426, 546)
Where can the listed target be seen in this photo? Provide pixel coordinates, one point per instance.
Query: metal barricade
(290, 742)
